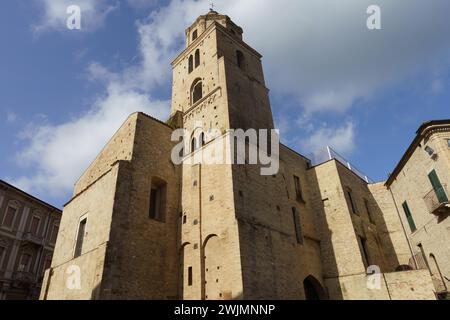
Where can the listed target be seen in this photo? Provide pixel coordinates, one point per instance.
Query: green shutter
(409, 217)
(437, 187)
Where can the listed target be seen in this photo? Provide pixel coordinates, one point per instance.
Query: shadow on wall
(378, 248)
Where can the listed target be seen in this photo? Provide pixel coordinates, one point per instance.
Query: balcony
(32, 238)
(23, 276)
(437, 200)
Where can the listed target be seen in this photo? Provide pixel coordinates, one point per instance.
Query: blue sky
(64, 92)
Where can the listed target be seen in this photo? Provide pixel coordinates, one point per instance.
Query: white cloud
(93, 14)
(61, 152)
(318, 52)
(341, 139)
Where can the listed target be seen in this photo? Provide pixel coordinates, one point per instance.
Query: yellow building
(140, 226)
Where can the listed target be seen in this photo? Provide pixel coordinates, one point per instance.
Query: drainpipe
(404, 229)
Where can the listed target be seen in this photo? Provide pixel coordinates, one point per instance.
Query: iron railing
(327, 153)
(437, 199)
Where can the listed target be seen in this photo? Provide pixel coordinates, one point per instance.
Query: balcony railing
(31, 237)
(24, 276)
(437, 200)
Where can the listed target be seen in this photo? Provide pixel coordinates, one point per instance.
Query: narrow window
(240, 60)
(369, 212)
(47, 263)
(8, 220)
(429, 150)
(197, 91)
(191, 64)
(298, 189)
(34, 227)
(297, 226)
(190, 276)
(437, 187)
(197, 58)
(2, 253)
(448, 143)
(362, 242)
(25, 262)
(202, 139)
(157, 200)
(409, 217)
(194, 35)
(80, 238)
(193, 144)
(352, 201)
(54, 234)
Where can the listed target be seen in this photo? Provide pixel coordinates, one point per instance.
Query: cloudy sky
(64, 92)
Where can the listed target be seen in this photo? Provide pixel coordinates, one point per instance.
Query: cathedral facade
(139, 226)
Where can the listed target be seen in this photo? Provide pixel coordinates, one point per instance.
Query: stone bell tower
(218, 83)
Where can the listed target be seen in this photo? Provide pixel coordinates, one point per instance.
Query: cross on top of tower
(211, 8)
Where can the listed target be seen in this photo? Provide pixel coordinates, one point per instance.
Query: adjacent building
(28, 232)
(139, 226)
(419, 186)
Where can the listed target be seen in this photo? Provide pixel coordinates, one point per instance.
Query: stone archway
(313, 289)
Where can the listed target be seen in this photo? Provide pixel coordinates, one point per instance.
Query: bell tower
(219, 68)
(218, 83)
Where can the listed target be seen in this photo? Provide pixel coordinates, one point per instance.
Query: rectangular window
(297, 226)
(409, 217)
(190, 276)
(362, 242)
(80, 238)
(34, 227)
(157, 200)
(10, 214)
(369, 212)
(437, 187)
(298, 189)
(54, 234)
(352, 202)
(25, 262)
(448, 143)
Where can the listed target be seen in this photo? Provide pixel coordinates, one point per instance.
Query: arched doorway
(436, 275)
(313, 289)
(213, 269)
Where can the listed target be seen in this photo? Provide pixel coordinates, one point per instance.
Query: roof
(420, 134)
(29, 195)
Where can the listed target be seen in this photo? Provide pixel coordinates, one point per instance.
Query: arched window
(196, 91)
(193, 144)
(240, 59)
(194, 35)
(197, 58)
(191, 63)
